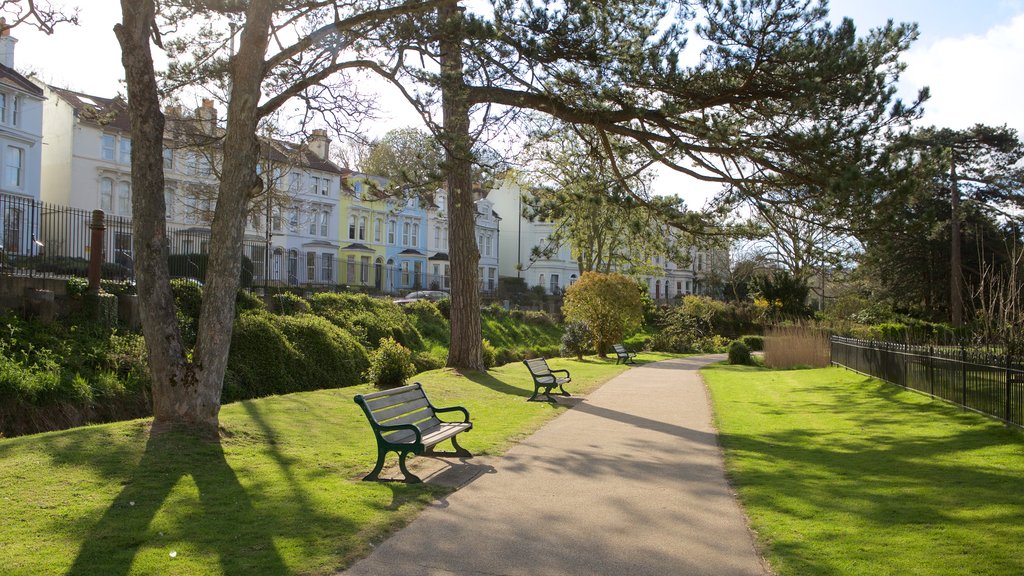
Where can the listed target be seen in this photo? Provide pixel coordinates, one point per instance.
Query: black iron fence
(988, 381)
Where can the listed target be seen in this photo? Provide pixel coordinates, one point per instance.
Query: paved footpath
(628, 482)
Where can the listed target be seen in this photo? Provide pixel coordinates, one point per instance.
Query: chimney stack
(319, 143)
(207, 116)
(7, 43)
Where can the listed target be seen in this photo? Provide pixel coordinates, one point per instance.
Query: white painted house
(21, 137)
(518, 238)
(560, 270)
(486, 232)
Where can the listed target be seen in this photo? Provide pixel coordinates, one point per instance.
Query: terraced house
(367, 229)
(21, 144)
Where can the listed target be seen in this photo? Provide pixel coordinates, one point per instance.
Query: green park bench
(405, 422)
(544, 378)
(623, 355)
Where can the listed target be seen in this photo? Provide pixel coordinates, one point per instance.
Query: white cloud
(973, 79)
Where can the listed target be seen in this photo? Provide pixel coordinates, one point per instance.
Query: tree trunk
(956, 302)
(186, 395)
(174, 384)
(465, 350)
(238, 184)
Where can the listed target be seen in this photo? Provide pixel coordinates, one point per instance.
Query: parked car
(432, 295)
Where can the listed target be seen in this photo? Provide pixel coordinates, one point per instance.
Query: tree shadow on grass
(487, 380)
(113, 542)
(898, 467)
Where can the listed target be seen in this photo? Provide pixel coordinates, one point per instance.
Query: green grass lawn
(842, 474)
(280, 495)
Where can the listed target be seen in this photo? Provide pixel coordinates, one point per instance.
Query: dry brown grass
(796, 345)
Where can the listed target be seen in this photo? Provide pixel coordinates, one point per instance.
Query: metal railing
(41, 239)
(986, 381)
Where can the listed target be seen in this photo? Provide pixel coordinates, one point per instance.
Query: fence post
(96, 250)
(931, 370)
(1009, 381)
(963, 371)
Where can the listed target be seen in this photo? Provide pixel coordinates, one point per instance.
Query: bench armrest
(385, 428)
(566, 372)
(465, 413)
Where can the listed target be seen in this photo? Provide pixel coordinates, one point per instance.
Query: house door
(378, 274)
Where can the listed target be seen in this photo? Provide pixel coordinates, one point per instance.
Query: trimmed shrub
(262, 361)
(390, 364)
(739, 353)
(288, 304)
(368, 319)
(489, 353)
(331, 357)
(577, 340)
(428, 320)
(247, 301)
(753, 342)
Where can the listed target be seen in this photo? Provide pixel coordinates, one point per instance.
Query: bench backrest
(619, 349)
(538, 366)
(404, 405)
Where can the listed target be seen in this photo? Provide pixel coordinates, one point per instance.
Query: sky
(970, 55)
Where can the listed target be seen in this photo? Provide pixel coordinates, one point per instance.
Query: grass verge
(279, 495)
(846, 475)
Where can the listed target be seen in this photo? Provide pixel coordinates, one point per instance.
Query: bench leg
(374, 475)
(459, 450)
(410, 478)
(564, 393)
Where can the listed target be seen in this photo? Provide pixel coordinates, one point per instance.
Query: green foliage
(427, 318)
(115, 287)
(77, 286)
(368, 319)
(577, 339)
(429, 360)
(518, 328)
(262, 360)
(739, 353)
(692, 325)
(753, 342)
(638, 341)
(272, 354)
(54, 376)
(608, 303)
(489, 354)
(247, 301)
(390, 364)
(410, 160)
(445, 308)
(188, 301)
(330, 357)
(784, 291)
(288, 304)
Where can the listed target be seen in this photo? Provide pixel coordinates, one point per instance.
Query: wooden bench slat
(412, 418)
(393, 411)
(444, 432)
(395, 399)
(389, 392)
